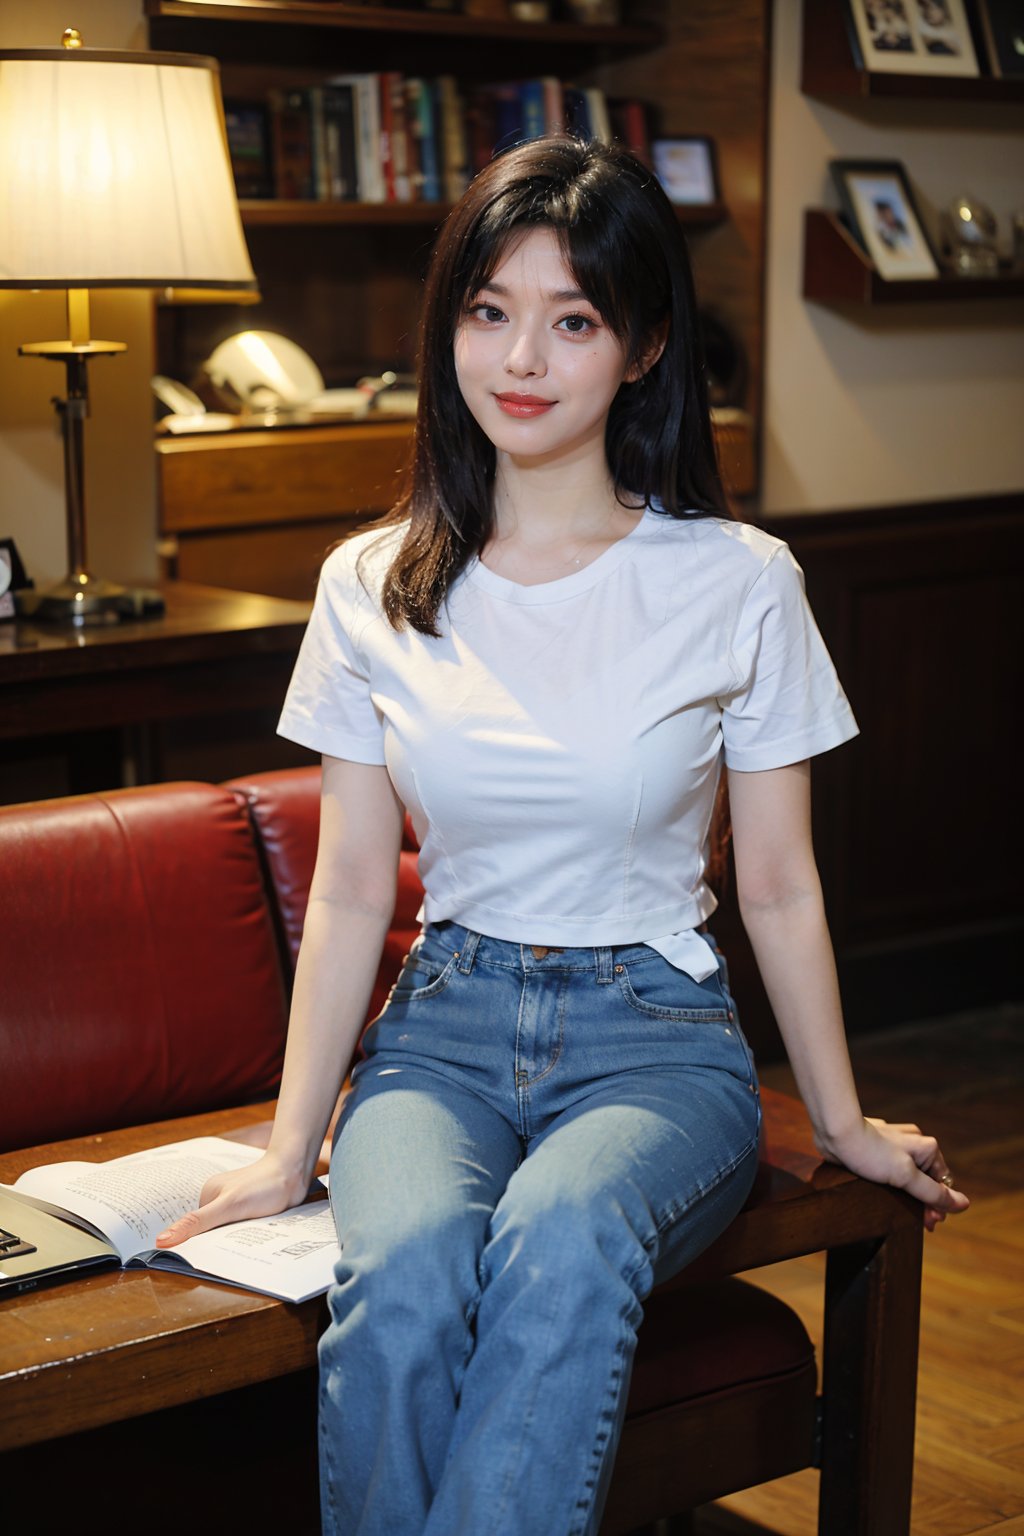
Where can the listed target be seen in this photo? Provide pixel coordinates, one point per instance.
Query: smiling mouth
(523, 405)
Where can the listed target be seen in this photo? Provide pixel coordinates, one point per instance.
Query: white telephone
(263, 371)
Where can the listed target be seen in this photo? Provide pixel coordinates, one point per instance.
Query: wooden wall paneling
(916, 827)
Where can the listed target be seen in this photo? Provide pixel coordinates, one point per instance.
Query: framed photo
(12, 577)
(1003, 24)
(915, 37)
(880, 210)
(686, 169)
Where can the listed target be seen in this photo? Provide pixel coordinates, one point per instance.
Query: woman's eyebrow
(555, 296)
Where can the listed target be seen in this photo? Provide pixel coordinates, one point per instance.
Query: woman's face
(537, 366)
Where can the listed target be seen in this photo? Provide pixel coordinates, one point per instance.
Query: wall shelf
(262, 213)
(830, 67)
(838, 272)
(170, 19)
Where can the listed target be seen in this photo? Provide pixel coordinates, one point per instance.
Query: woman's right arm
(351, 902)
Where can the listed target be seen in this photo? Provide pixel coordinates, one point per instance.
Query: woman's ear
(652, 351)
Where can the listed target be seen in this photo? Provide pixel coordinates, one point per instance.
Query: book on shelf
(340, 139)
(554, 104)
(385, 138)
(577, 112)
(481, 126)
(292, 123)
(421, 98)
(367, 122)
(454, 148)
(631, 126)
(318, 139)
(121, 1205)
(248, 130)
(531, 97)
(597, 114)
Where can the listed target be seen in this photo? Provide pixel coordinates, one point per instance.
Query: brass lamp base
(81, 599)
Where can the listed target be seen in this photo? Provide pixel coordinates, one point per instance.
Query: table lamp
(114, 173)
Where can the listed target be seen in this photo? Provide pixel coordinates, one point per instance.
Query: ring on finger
(947, 1179)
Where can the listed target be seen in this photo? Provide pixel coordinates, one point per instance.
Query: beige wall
(899, 406)
(120, 478)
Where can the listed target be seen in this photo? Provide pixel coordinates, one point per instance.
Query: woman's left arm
(783, 913)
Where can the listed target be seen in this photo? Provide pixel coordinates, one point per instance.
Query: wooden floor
(963, 1079)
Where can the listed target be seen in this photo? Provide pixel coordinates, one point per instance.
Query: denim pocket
(426, 971)
(658, 989)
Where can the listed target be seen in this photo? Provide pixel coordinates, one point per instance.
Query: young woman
(547, 654)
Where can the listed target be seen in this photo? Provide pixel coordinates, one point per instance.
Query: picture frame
(914, 37)
(1002, 24)
(879, 209)
(12, 578)
(687, 169)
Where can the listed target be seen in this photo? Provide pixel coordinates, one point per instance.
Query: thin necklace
(575, 559)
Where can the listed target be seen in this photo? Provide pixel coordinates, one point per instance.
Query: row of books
(387, 137)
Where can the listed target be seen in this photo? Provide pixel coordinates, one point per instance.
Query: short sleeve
(328, 706)
(788, 703)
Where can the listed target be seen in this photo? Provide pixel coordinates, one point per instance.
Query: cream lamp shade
(115, 173)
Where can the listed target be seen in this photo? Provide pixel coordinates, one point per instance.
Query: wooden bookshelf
(838, 272)
(344, 280)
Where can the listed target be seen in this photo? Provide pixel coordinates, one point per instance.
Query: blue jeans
(531, 1143)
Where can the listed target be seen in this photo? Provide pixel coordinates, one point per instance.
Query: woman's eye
(577, 325)
(487, 312)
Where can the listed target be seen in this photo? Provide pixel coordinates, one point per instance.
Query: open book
(125, 1202)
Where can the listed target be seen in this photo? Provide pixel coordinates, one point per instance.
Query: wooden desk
(258, 507)
(104, 1348)
(105, 689)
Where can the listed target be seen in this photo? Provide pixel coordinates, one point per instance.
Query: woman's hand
(261, 1189)
(903, 1156)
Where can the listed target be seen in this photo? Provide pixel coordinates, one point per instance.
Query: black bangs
(614, 257)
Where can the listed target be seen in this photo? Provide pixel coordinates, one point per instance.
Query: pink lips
(523, 406)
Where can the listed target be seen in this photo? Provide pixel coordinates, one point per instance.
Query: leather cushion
(139, 974)
(721, 1336)
(285, 808)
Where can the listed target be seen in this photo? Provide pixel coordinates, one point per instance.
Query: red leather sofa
(147, 941)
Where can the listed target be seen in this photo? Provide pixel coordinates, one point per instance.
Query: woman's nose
(524, 357)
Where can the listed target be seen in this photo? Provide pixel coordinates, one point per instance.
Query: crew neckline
(562, 587)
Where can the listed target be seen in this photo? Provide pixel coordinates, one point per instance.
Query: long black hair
(622, 242)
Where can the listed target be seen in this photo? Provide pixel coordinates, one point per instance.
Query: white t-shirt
(559, 746)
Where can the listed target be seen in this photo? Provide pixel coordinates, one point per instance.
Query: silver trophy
(969, 238)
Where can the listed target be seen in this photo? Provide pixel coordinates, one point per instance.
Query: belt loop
(603, 958)
(468, 952)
